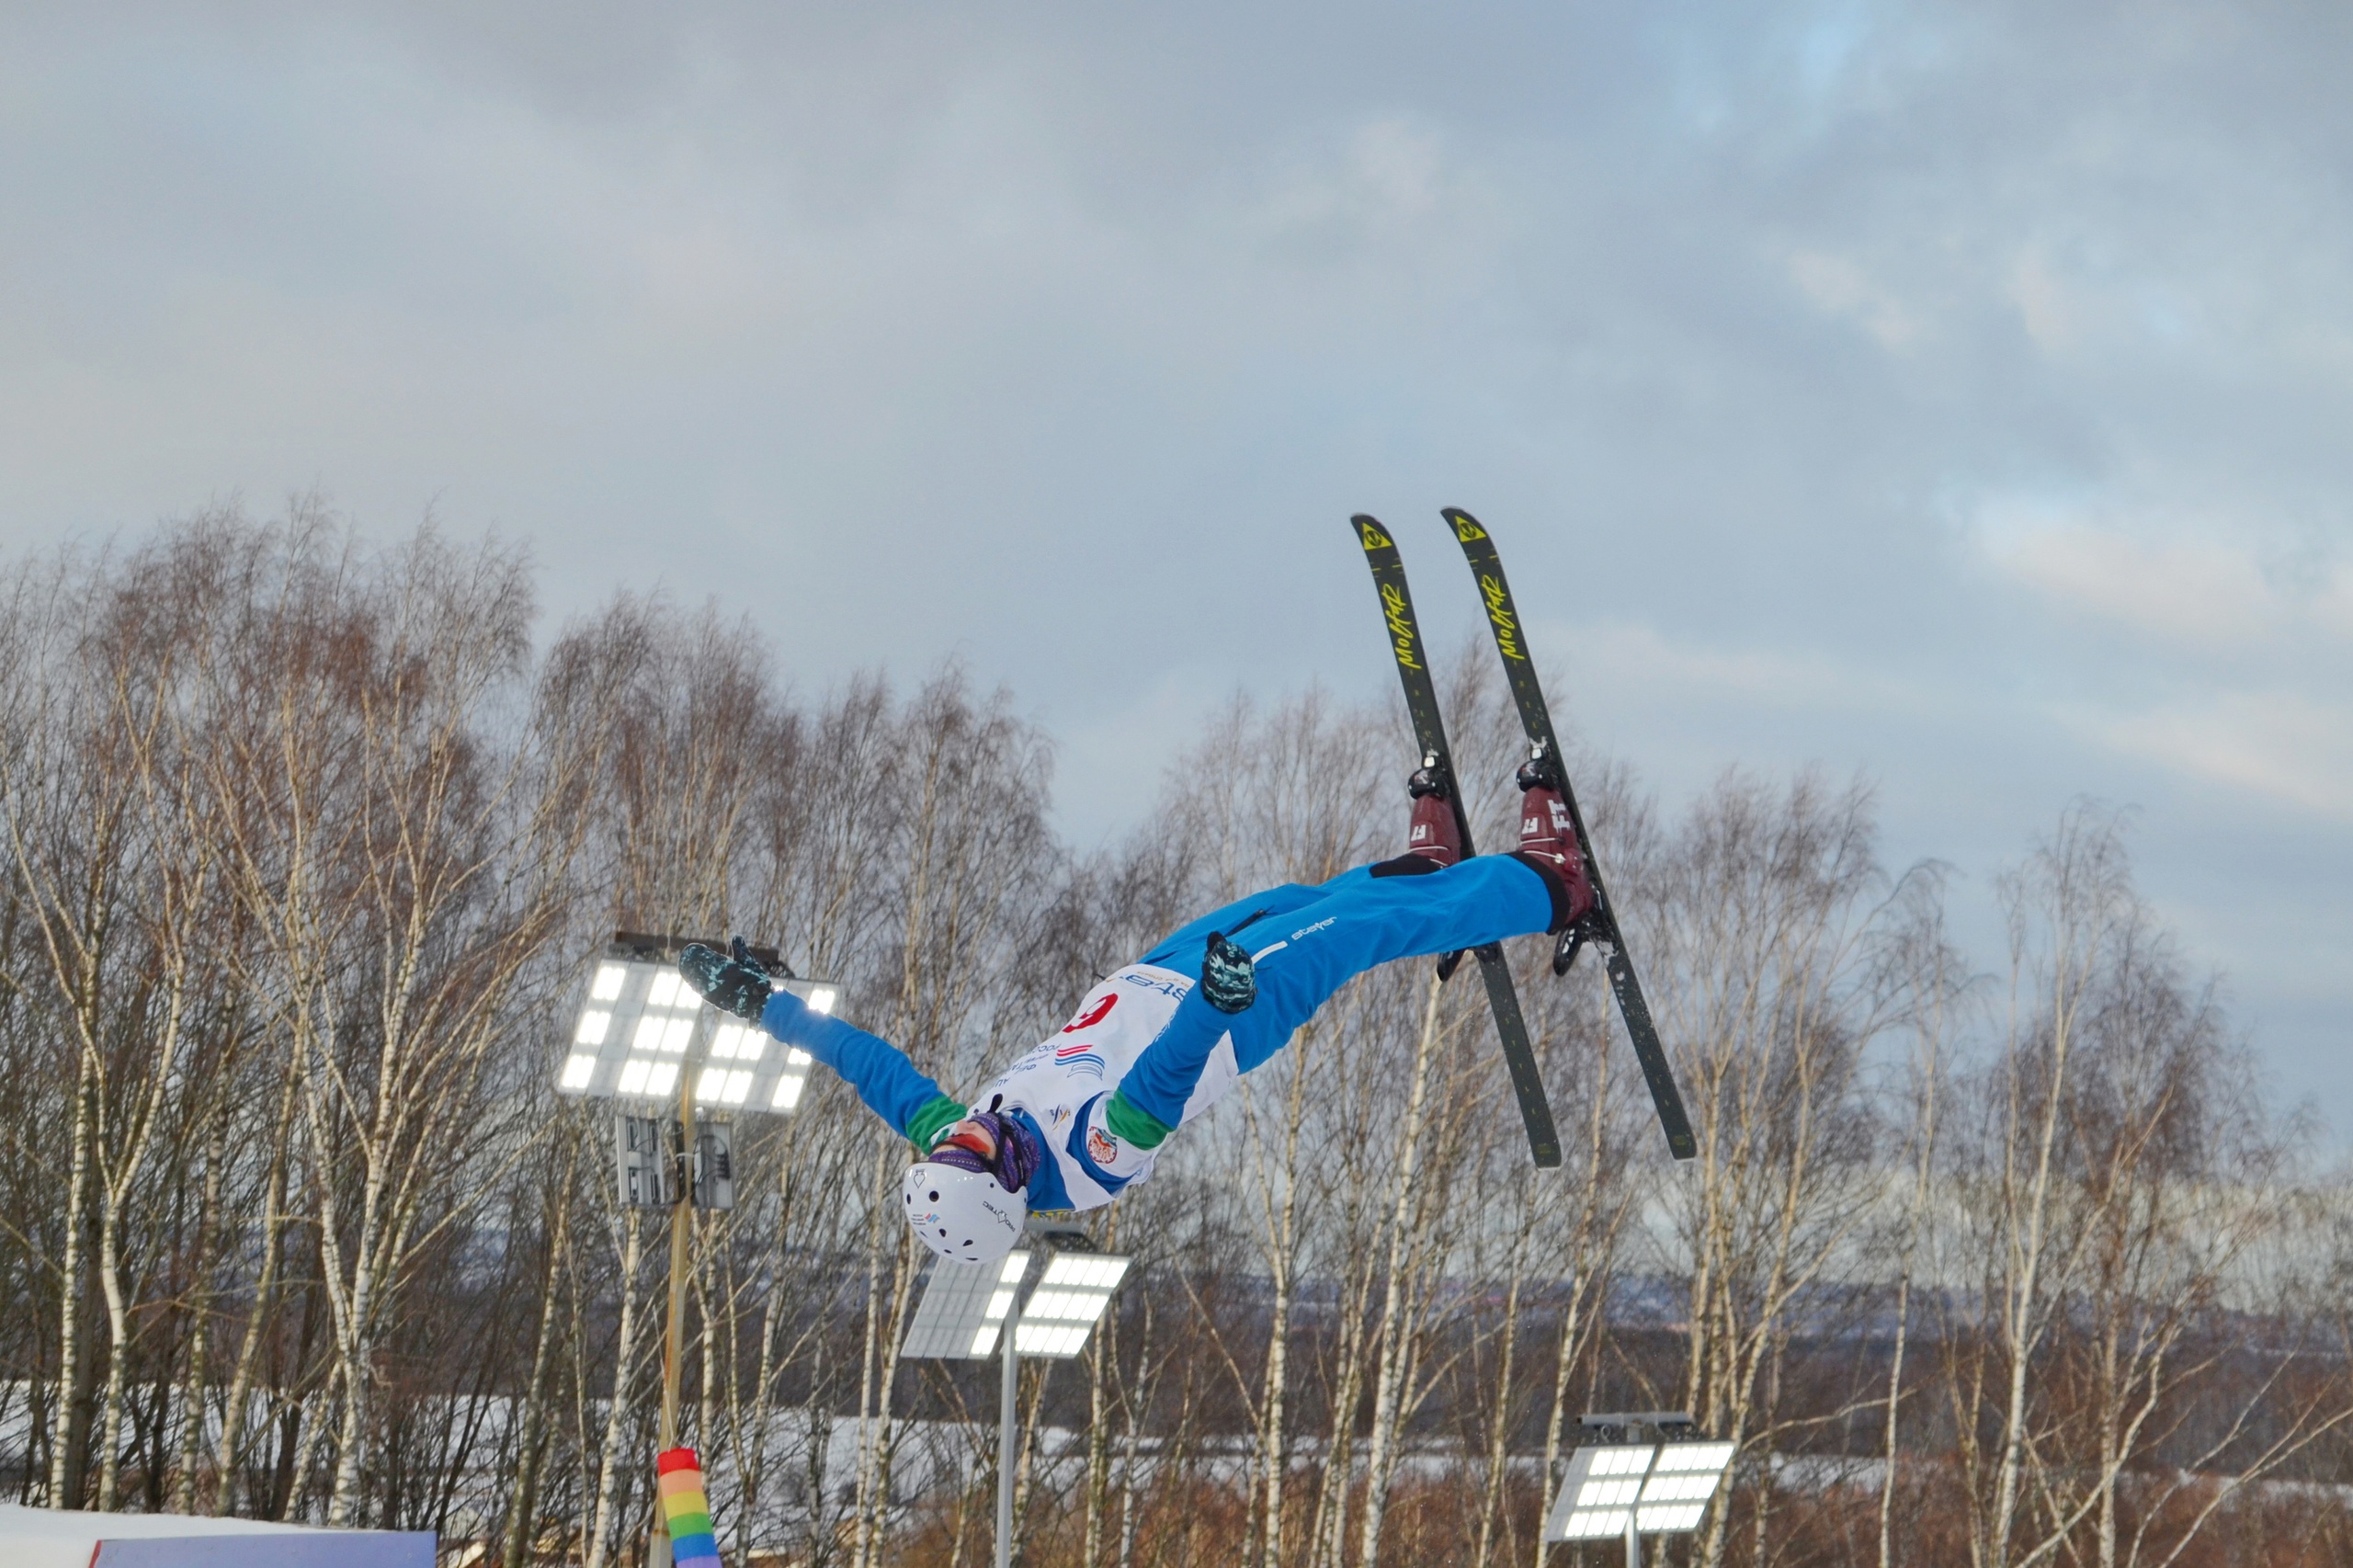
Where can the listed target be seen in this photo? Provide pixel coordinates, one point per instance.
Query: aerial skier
(1082, 1116)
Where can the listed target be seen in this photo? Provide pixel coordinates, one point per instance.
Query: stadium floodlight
(642, 1027)
(645, 1036)
(967, 1309)
(1637, 1475)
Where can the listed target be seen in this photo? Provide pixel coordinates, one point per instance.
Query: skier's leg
(1432, 840)
(1363, 919)
(1369, 920)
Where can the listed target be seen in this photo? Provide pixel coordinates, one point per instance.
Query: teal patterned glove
(1229, 980)
(737, 984)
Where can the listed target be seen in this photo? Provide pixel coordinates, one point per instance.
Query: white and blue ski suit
(1146, 1053)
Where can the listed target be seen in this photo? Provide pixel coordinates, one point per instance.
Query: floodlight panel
(1056, 1341)
(636, 1030)
(1686, 1477)
(1067, 1306)
(1666, 1488)
(1678, 1488)
(962, 1308)
(1621, 1458)
(1709, 1457)
(1595, 1524)
(635, 1025)
(607, 1020)
(733, 1041)
(1619, 1494)
(1091, 1271)
(1602, 1484)
(1068, 1303)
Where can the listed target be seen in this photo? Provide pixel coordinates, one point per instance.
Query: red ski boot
(1547, 839)
(1432, 833)
(1433, 841)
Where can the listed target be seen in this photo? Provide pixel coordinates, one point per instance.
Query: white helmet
(962, 1215)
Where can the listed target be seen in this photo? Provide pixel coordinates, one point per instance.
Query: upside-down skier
(1083, 1115)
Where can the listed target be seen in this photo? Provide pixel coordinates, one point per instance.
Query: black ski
(1600, 927)
(1429, 734)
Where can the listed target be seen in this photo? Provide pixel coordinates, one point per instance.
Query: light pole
(969, 1311)
(1637, 1474)
(644, 1036)
(1008, 1406)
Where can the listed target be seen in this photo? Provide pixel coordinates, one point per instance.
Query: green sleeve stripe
(924, 1125)
(1140, 1128)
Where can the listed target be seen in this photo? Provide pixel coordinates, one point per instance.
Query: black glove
(1229, 979)
(737, 984)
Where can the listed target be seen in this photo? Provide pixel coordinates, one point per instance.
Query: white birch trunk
(600, 1532)
(70, 1349)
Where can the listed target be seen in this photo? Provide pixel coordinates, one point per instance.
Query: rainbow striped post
(686, 1510)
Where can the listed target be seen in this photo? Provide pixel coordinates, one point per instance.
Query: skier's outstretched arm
(891, 1086)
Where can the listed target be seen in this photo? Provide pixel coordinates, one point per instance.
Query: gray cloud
(1952, 391)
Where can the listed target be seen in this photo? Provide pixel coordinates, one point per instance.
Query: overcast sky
(1956, 394)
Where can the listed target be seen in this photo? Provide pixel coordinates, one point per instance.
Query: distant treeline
(1987, 1259)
